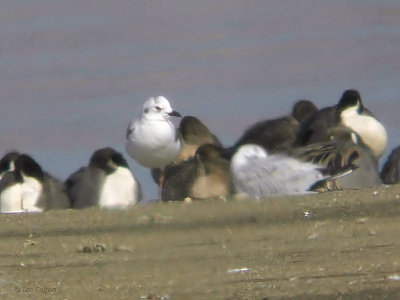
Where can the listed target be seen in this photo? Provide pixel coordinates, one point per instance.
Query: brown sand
(338, 245)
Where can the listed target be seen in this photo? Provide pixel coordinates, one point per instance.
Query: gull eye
(157, 108)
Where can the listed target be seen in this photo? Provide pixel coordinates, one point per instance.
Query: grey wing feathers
(258, 179)
(278, 175)
(82, 188)
(57, 197)
(249, 180)
(296, 176)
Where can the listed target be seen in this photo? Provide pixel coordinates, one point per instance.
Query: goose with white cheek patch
(257, 174)
(351, 113)
(21, 190)
(106, 182)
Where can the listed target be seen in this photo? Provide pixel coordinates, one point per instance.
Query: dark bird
(205, 175)
(341, 147)
(351, 113)
(27, 188)
(391, 169)
(192, 134)
(276, 135)
(7, 162)
(106, 182)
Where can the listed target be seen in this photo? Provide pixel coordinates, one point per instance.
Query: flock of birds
(309, 151)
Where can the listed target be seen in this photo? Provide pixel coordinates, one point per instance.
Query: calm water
(73, 73)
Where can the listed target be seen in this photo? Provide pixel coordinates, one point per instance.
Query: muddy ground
(337, 245)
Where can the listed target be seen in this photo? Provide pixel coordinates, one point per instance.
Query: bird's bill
(174, 113)
(112, 165)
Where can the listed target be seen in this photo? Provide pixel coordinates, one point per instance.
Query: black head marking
(119, 160)
(107, 159)
(100, 158)
(5, 162)
(26, 165)
(350, 98)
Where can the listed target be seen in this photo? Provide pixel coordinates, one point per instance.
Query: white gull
(152, 139)
(258, 174)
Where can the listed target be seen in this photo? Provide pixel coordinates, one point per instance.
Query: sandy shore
(337, 245)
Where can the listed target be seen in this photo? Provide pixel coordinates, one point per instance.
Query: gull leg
(161, 184)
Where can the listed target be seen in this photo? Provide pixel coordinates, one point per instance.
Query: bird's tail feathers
(329, 182)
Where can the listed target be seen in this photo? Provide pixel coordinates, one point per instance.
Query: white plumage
(21, 196)
(258, 174)
(372, 132)
(119, 190)
(151, 139)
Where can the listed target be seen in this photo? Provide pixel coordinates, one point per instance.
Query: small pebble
(123, 248)
(361, 220)
(92, 249)
(394, 277)
(312, 236)
(239, 270)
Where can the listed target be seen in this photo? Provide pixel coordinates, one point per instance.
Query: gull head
(158, 108)
(248, 153)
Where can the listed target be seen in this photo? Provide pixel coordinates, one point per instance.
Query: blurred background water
(74, 73)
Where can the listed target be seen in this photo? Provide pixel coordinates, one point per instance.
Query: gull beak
(174, 113)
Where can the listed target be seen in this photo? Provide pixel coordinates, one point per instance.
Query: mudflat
(336, 245)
